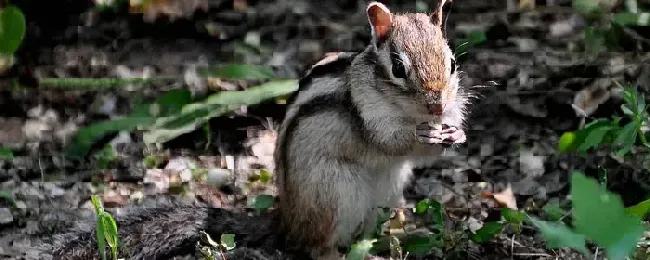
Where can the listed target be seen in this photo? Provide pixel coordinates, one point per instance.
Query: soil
(526, 75)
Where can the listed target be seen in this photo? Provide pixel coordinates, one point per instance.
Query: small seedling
(106, 229)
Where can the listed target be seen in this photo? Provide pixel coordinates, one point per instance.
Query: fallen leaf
(589, 98)
(398, 221)
(502, 199)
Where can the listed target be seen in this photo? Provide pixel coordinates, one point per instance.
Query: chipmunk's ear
(440, 13)
(380, 20)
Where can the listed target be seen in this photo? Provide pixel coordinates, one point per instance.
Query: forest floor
(530, 64)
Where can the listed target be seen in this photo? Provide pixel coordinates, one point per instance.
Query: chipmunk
(353, 132)
(352, 137)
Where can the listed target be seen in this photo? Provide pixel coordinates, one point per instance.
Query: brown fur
(421, 42)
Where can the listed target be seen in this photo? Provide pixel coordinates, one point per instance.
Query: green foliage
(263, 202)
(421, 244)
(106, 229)
(433, 211)
(360, 249)
(609, 131)
(6, 195)
(558, 235)
(514, 218)
(601, 217)
(6, 153)
(586, 6)
(239, 71)
(193, 115)
(265, 176)
(12, 29)
(487, 231)
(174, 114)
(598, 215)
(106, 156)
(553, 211)
(228, 241)
(86, 83)
(640, 210)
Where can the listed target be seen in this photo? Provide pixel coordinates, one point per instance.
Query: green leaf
(84, 138)
(586, 6)
(12, 29)
(101, 243)
(559, 236)
(631, 19)
(193, 115)
(256, 94)
(97, 204)
(640, 210)
(265, 176)
(420, 245)
(475, 38)
(422, 206)
(629, 95)
(594, 137)
(360, 249)
(487, 232)
(110, 229)
(601, 217)
(567, 142)
(513, 216)
(553, 210)
(626, 137)
(6, 195)
(228, 241)
(172, 101)
(6, 153)
(263, 202)
(240, 71)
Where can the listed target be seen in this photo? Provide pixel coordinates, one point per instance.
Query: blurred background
(141, 102)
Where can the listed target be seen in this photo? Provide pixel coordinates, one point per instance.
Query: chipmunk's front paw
(440, 134)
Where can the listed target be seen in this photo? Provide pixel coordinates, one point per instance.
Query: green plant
(6, 153)
(176, 113)
(106, 229)
(610, 131)
(106, 156)
(12, 29)
(598, 216)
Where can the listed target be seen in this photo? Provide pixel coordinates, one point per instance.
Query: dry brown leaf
(240, 5)
(398, 221)
(589, 98)
(171, 8)
(210, 195)
(505, 198)
(527, 4)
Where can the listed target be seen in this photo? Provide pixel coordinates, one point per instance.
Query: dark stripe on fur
(335, 67)
(340, 102)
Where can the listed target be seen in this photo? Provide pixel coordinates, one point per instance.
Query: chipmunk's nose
(435, 109)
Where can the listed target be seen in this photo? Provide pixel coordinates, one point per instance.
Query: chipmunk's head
(413, 55)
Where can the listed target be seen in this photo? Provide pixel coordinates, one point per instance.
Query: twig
(532, 254)
(91, 82)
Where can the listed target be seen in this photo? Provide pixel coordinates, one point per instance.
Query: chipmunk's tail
(162, 233)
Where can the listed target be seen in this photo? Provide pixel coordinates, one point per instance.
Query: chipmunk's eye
(399, 71)
(453, 66)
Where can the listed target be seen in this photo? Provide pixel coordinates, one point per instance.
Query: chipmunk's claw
(445, 135)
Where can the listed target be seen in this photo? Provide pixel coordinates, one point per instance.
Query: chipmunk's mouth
(435, 109)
